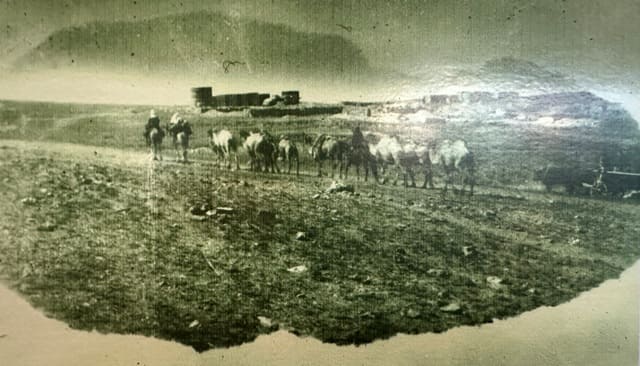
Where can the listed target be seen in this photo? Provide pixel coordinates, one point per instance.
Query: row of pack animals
(381, 159)
(391, 156)
(261, 147)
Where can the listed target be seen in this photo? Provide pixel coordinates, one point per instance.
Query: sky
(587, 38)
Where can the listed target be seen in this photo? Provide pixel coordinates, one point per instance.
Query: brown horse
(329, 148)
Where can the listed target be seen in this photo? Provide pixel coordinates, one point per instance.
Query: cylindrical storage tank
(201, 96)
(243, 100)
(262, 98)
(220, 101)
(237, 100)
(252, 99)
(291, 97)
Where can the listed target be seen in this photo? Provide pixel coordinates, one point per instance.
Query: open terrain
(97, 235)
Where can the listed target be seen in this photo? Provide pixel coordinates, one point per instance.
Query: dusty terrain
(102, 238)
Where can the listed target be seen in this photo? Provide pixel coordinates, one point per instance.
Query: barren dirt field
(101, 237)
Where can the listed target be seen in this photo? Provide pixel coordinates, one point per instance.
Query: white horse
(456, 159)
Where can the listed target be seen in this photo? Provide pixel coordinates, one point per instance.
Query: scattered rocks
(298, 269)
(494, 282)
(28, 201)
(412, 313)
(265, 322)
(490, 214)
(336, 187)
(453, 307)
(199, 210)
(467, 250)
(119, 207)
(266, 217)
(47, 226)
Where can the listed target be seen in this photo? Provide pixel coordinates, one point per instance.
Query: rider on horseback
(178, 124)
(358, 140)
(152, 122)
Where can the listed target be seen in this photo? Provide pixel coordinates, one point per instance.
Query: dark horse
(361, 156)
(329, 148)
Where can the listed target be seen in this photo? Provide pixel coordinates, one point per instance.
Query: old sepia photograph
(319, 182)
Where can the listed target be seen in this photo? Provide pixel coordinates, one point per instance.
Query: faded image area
(300, 182)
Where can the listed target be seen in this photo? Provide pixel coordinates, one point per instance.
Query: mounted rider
(358, 140)
(178, 124)
(152, 122)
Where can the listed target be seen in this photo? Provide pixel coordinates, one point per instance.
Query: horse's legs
(406, 173)
(397, 169)
(383, 173)
(471, 181)
(412, 176)
(428, 178)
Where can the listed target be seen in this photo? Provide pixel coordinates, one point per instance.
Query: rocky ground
(104, 239)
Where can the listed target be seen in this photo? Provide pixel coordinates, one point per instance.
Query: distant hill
(505, 74)
(197, 44)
